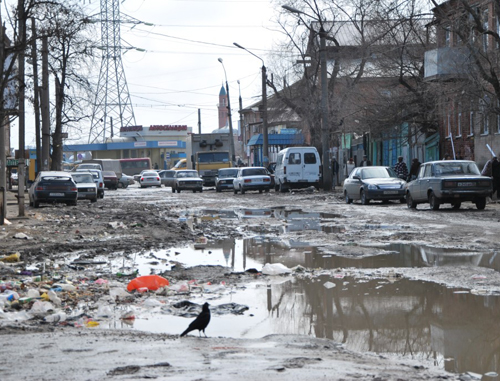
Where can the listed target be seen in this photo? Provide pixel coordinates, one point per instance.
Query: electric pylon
(112, 106)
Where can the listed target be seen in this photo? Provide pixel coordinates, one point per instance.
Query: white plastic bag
(275, 269)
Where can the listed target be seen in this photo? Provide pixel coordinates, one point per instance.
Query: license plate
(56, 194)
(469, 184)
(390, 192)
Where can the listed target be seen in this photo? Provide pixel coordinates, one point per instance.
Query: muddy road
(420, 285)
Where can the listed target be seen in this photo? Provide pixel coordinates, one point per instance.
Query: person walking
(335, 171)
(348, 168)
(414, 168)
(495, 174)
(488, 167)
(401, 168)
(365, 162)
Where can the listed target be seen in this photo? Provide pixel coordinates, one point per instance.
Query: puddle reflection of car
(53, 187)
(449, 182)
(224, 178)
(253, 213)
(373, 183)
(252, 178)
(87, 189)
(187, 180)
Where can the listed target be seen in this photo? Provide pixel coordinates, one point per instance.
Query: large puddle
(455, 329)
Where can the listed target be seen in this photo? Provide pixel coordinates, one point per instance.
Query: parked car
(110, 179)
(98, 180)
(252, 178)
(87, 189)
(85, 166)
(125, 181)
(449, 182)
(150, 178)
(137, 178)
(187, 179)
(224, 178)
(373, 183)
(167, 177)
(53, 187)
(297, 167)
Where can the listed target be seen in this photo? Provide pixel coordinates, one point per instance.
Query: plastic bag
(152, 282)
(275, 269)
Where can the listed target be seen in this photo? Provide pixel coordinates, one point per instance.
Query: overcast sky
(179, 71)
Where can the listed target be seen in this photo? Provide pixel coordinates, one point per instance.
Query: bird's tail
(185, 332)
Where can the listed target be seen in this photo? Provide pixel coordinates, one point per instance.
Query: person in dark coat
(365, 162)
(401, 168)
(495, 175)
(414, 168)
(335, 171)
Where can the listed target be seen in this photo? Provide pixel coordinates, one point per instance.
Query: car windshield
(253, 172)
(377, 173)
(455, 168)
(83, 178)
(187, 174)
(228, 173)
(150, 174)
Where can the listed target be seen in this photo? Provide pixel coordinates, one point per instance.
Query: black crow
(200, 323)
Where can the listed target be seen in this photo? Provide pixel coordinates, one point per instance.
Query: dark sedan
(224, 179)
(53, 187)
(110, 179)
(373, 183)
(448, 182)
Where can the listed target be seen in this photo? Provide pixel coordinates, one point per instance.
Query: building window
(447, 37)
(485, 22)
(484, 120)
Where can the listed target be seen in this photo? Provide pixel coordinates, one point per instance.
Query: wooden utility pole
(22, 90)
(45, 105)
(36, 100)
(3, 154)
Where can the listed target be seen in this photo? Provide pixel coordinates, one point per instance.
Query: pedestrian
(349, 166)
(487, 169)
(495, 174)
(414, 168)
(365, 162)
(401, 168)
(335, 171)
(156, 165)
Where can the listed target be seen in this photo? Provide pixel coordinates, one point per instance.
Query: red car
(110, 179)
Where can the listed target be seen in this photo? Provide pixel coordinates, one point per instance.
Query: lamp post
(265, 144)
(242, 127)
(231, 139)
(327, 171)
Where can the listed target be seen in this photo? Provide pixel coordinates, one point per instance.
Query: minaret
(222, 106)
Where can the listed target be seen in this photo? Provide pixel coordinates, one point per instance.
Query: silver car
(252, 178)
(373, 183)
(187, 180)
(150, 179)
(224, 179)
(449, 182)
(87, 189)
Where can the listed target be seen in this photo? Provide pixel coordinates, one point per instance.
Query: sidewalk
(13, 206)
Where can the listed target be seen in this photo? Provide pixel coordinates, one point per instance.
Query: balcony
(446, 64)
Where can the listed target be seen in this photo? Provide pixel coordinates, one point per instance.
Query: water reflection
(416, 319)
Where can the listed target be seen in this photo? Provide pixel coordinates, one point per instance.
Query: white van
(297, 167)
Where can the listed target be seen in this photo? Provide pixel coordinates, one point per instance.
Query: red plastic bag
(152, 282)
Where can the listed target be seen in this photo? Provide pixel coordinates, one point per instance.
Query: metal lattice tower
(112, 107)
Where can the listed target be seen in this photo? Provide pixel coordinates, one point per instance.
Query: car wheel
(267, 190)
(178, 190)
(235, 191)
(456, 205)
(217, 189)
(242, 190)
(31, 202)
(36, 203)
(276, 188)
(402, 200)
(173, 190)
(93, 200)
(409, 202)
(102, 195)
(260, 190)
(282, 188)
(120, 185)
(433, 201)
(481, 203)
(201, 190)
(348, 200)
(194, 190)
(364, 200)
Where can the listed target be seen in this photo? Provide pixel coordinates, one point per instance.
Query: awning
(277, 140)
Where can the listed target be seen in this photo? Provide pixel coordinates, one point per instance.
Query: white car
(150, 179)
(87, 189)
(252, 178)
(188, 179)
(98, 180)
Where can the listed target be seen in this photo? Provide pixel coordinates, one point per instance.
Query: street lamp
(265, 144)
(327, 171)
(231, 139)
(242, 127)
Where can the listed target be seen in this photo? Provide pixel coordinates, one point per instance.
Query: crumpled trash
(119, 293)
(329, 285)
(151, 302)
(54, 298)
(275, 269)
(16, 257)
(104, 311)
(152, 282)
(41, 308)
(56, 318)
(21, 236)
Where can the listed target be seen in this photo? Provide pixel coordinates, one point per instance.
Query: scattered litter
(329, 285)
(21, 236)
(16, 257)
(151, 282)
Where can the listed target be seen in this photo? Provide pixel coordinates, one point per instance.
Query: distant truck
(108, 165)
(209, 153)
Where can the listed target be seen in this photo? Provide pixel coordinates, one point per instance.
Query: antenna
(112, 101)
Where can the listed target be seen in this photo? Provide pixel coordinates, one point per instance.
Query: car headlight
(372, 186)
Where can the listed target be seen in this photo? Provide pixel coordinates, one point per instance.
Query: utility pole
(3, 155)
(22, 91)
(36, 98)
(325, 136)
(45, 106)
(199, 121)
